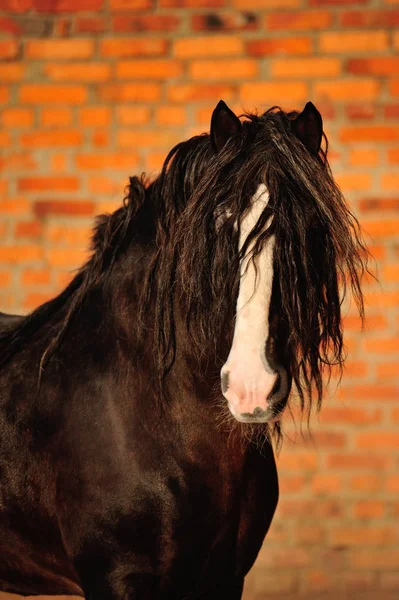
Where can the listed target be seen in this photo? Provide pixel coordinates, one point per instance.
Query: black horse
(137, 408)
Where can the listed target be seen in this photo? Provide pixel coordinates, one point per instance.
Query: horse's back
(7, 321)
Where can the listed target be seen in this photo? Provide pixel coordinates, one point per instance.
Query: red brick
(379, 204)
(130, 4)
(8, 25)
(384, 440)
(266, 4)
(361, 111)
(370, 18)
(43, 208)
(285, 94)
(292, 461)
(10, 72)
(354, 41)
(355, 462)
(370, 391)
(369, 133)
(373, 323)
(107, 161)
(309, 534)
(14, 206)
(347, 89)
(224, 21)
(58, 162)
(53, 94)
(225, 45)
(9, 49)
(47, 184)
(59, 258)
(67, 235)
(67, 5)
(391, 111)
(374, 559)
(293, 483)
(129, 23)
(4, 138)
(17, 117)
(147, 138)
(281, 45)
(319, 508)
(388, 370)
(149, 69)
(58, 49)
(390, 181)
(369, 509)
(240, 69)
(51, 138)
(363, 157)
(4, 94)
(19, 161)
(100, 138)
(363, 536)
(394, 87)
(154, 161)
(56, 117)
(381, 66)
(133, 115)
(91, 25)
(197, 93)
(305, 67)
(354, 181)
(126, 92)
(366, 483)
(32, 229)
(191, 3)
(91, 71)
(35, 277)
(171, 115)
(322, 483)
(336, 2)
(392, 483)
(20, 254)
(95, 116)
(122, 47)
(298, 20)
(344, 414)
(380, 299)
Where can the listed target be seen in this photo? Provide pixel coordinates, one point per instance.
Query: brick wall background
(94, 90)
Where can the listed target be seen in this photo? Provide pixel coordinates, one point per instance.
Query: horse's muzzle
(255, 393)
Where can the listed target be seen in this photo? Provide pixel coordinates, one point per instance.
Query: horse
(139, 407)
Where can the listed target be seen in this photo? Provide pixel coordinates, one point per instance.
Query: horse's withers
(252, 382)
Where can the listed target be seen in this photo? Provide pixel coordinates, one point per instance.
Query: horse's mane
(109, 237)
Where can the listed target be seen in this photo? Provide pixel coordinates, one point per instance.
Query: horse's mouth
(271, 415)
(247, 404)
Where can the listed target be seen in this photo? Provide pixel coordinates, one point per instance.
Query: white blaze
(250, 378)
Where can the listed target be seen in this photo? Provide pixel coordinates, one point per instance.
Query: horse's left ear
(224, 124)
(308, 128)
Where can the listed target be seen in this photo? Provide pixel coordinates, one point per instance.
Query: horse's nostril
(224, 380)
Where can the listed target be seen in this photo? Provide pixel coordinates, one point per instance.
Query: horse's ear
(224, 124)
(308, 128)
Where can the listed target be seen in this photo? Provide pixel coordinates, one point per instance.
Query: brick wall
(94, 90)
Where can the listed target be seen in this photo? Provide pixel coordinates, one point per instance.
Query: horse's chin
(270, 415)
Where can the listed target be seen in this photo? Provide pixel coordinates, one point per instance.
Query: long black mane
(195, 261)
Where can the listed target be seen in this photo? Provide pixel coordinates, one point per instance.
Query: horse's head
(263, 246)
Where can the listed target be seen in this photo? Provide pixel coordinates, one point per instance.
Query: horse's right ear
(224, 124)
